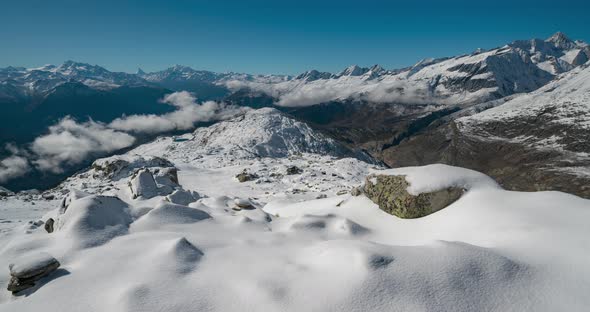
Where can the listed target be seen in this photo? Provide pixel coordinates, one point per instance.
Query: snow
(426, 179)
(490, 250)
(562, 104)
(24, 266)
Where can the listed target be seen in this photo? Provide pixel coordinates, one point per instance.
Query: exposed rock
(69, 198)
(294, 170)
(5, 192)
(356, 191)
(182, 197)
(142, 184)
(341, 192)
(245, 176)
(26, 271)
(243, 203)
(48, 196)
(15, 285)
(167, 176)
(117, 167)
(49, 225)
(390, 193)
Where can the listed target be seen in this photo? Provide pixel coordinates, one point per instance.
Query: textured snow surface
(490, 250)
(305, 244)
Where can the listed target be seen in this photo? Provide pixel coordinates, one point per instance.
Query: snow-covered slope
(258, 133)
(490, 250)
(521, 66)
(556, 117)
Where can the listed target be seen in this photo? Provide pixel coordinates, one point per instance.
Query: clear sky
(260, 36)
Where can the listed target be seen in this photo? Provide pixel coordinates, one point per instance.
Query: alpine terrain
(456, 184)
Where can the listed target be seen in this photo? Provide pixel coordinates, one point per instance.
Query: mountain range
(429, 112)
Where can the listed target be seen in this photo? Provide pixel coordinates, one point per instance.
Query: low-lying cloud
(70, 142)
(12, 167)
(389, 90)
(187, 114)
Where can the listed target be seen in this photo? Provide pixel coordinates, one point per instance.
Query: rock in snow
(142, 184)
(489, 249)
(26, 271)
(390, 193)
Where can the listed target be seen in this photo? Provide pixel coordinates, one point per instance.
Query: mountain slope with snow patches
(521, 66)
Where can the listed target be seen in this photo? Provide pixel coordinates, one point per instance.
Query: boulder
(390, 193)
(69, 198)
(182, 197)
(48, 196)
(142, 184)
(118, 167)
(245, 176)
(167, 176)
(243, 203)
(293, 170)
(26, 271)
(49, 225)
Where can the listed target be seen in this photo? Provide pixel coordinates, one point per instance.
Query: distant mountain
(534, 141)
(521, 66)
(206, 84)
(371, 108)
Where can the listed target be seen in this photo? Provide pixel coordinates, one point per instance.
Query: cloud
(12, 167)
(184, 118)
(70, 142)
(390, 89)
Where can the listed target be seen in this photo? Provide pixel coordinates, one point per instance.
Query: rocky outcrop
(245, 176)
(242, 203)
(49, 225)
(26, 271)
(142, 184)
(117, 167)
(5, 192)
(294, 170)
(390, 193)
(182, 197)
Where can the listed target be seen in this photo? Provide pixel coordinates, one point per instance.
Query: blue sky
(271, 36)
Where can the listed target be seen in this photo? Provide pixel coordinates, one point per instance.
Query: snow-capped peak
(353, 70)
(560, 40)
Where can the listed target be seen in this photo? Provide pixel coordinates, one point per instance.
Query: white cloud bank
(12, 167)
(296, 93)
(70, 142)
(184, 118)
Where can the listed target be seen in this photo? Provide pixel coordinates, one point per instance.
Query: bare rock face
(26, 271)
(390, 193)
